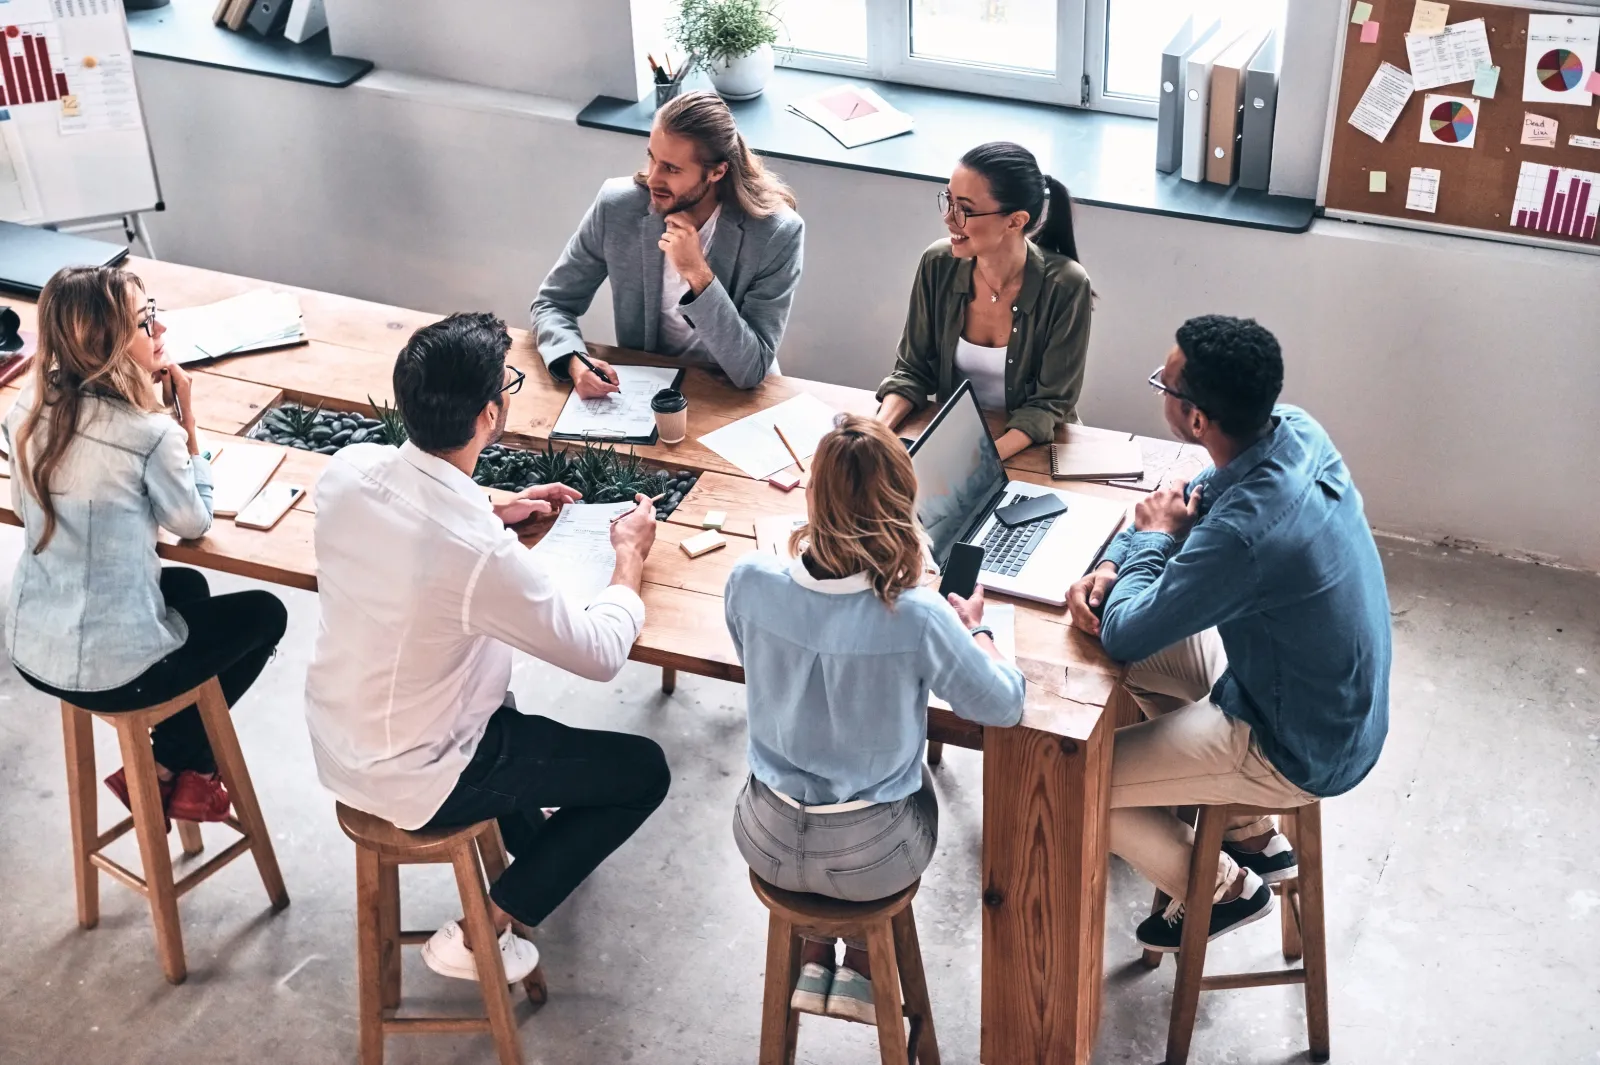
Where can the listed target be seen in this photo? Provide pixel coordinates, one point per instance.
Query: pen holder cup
(672, 415)
(667, 92)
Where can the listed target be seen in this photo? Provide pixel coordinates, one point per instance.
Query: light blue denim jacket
(87, 612)
(837, 682)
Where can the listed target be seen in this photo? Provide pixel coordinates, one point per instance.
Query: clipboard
(600, 434)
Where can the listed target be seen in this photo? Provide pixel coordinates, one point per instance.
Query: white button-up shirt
(424, 592)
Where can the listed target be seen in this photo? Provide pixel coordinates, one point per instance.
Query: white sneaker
(446, 953)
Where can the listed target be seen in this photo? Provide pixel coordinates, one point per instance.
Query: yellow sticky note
(1429, 18)
(69, 106)
(1378, 181)
(1360, 13)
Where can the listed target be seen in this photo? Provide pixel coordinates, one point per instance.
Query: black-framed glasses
(1160, 388)
(949, 208)
(513, 386)
(148, 321)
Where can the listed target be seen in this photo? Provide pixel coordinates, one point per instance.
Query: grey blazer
(739, 319)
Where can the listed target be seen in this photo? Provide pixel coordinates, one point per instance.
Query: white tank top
(986, 369)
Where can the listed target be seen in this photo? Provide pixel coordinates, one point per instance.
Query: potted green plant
(733, 38)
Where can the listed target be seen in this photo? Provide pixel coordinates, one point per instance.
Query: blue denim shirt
(87, 612)
(837, 681)
(1283, 564)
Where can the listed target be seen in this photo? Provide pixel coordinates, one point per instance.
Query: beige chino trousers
(1187, 752)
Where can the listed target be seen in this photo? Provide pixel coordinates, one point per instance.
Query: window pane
(1137, 31)
(1018, 34)
(825, 27)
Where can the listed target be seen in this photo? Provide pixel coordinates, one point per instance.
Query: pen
(653, 500)
(785, 441)
(593, 368)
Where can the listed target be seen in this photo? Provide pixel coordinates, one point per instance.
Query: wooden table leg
(1045, 821)
(669, 680)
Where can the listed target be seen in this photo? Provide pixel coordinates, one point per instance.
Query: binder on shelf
(1169, 108)
(267, 16)
(1227, 103)
(1260, 116)
(1197, 99)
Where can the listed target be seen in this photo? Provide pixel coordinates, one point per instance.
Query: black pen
(593, 368)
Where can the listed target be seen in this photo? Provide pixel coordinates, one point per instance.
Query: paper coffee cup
(672, 415)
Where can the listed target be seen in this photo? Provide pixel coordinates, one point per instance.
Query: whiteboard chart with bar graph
(1557, 200)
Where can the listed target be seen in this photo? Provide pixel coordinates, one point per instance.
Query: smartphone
(961, 571)
(1035, 509)
(270, 504)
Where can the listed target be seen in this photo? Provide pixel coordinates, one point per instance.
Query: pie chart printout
(1452, 122)
(1560, 70)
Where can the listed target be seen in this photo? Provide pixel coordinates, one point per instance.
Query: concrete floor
(1463, 896)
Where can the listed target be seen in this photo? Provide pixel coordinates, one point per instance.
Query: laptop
(30, 256)
(961, 483)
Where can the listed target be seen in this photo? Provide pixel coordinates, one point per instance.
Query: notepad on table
(853, 115)
(255, 321)
(1096, 458)
(623, 416)
(752, 444)
(576, 553)
(239, 473)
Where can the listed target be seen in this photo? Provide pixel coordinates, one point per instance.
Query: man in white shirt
(703, 250)
(424, 592)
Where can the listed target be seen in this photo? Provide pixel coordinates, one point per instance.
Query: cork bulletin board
(1477, 186)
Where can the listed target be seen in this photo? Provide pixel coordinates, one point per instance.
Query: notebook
(241, 472)
(1098, 459)
(853, 115)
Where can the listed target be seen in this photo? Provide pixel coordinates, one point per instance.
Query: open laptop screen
(958, 471)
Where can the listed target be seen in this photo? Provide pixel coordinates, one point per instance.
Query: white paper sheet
(1449, 56)
(625, 413)
(251, 322)
(752, 445)
(103, 95)
(576, 553)
(1449, 120)
(1422, 194)
(1002, 618)
(1561, 56)
(1381, 104)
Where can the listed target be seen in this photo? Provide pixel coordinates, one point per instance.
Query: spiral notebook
(1096, 459)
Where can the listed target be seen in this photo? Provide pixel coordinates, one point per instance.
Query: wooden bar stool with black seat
(1302, 926)
(890, 931)
(148, 821)
(381, 849)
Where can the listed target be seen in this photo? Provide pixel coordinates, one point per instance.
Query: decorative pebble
(342, 437)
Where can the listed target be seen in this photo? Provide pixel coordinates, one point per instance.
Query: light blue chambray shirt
(837, 682)
(87, 612)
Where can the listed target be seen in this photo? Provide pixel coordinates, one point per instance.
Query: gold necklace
(994, 293)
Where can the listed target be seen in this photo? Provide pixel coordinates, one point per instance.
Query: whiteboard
(73, 143)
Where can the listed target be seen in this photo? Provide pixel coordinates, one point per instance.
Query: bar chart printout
(1556, 200)
(31, 64)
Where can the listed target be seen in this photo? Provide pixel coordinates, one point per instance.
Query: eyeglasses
(958, 214)
(148, 321)
(514, 386)
(1161, 389)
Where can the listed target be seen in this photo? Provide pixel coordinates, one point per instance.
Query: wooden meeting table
(1045, 781)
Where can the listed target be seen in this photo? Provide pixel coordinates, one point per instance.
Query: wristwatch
(981, 630)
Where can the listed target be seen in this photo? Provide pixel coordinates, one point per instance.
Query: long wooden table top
(347, 364)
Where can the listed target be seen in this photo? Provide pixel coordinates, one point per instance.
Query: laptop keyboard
(1006, 551)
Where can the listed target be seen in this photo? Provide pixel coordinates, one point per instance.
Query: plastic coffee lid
(668, 401)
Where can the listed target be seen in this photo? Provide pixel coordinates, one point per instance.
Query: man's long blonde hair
(862, 502)
(87, 322)
(702, 117)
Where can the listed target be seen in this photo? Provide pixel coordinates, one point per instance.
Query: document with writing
(1002, 618)
(752, 445)
(576, 553)
(1381, 104)
(1451, 55)
(623, 415)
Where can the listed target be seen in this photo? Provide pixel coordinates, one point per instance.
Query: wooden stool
(381, 849)
(1302, 926)
(890, 930)
(148, 822)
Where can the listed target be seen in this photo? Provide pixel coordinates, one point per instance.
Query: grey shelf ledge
(183, 31)
(1106, 160)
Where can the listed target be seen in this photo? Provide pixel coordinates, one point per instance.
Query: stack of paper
(623, 415)
(576, 553)
(254, 321)
(753, 445)
(855, 116)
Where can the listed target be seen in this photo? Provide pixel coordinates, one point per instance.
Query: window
(1104, 54)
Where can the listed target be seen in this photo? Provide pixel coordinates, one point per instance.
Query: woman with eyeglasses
(1001, 302)
(96, 468)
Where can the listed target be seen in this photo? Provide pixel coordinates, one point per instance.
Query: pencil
(653, 500)
(785, 441)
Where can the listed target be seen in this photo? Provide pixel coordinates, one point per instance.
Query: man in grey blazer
(703, 249)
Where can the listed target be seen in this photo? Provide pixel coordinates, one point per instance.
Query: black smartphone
(1035, 509)
(961, 570)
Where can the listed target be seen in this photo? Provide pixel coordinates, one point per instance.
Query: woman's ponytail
(1055, 232)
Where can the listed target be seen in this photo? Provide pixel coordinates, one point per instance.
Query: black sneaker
(1274, 863)
(1162, 933)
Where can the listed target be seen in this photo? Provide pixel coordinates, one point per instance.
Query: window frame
(889, 58)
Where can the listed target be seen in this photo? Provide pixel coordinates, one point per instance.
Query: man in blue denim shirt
(1253, 608)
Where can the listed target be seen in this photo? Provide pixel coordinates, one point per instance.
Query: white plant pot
(743, 77)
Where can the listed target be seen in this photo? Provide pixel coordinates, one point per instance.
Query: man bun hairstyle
(446, 374)
(1232, 371)
(1017, 184)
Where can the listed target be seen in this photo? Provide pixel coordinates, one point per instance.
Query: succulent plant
(295, 419)
(393, 427)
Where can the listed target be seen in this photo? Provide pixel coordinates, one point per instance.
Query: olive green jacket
(1049, 338)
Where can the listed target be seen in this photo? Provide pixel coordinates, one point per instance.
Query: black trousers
(231, 637)
(606, 784)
